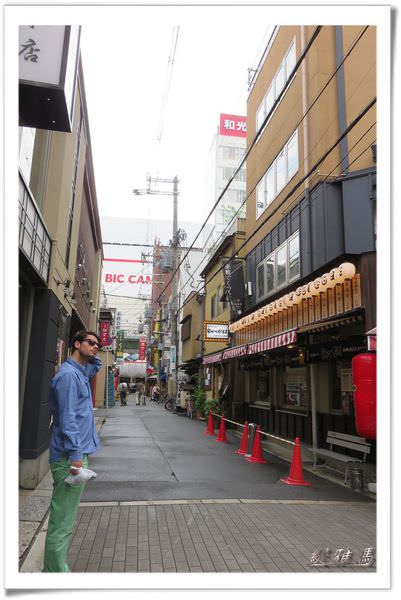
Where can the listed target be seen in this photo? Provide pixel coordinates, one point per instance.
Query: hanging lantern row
(313, 288)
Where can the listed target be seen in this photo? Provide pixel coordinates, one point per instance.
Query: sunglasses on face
(92, 342)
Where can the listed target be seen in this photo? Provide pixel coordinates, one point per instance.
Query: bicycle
(168, 402)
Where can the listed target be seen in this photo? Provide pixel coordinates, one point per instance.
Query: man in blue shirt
(73, 438)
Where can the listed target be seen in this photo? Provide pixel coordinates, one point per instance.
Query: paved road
(170, 499)
(150, 454)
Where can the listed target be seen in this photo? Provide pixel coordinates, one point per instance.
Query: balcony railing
(34, 239)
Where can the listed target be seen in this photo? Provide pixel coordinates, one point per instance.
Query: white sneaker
(83, 476)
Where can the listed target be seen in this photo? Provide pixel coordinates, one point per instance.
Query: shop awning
(212, 358)
(235, 352)
(275, 341)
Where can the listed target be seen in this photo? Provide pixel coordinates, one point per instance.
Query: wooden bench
(342, 440)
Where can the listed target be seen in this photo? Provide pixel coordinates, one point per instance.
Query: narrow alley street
(168, 498)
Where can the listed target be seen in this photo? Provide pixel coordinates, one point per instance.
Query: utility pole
(175, 246)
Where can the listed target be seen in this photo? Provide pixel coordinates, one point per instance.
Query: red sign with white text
(142, 348)
(104, 333)
(233, 125)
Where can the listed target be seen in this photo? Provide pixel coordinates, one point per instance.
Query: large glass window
(291, 59)
(281, 170)
(261, 280)
(270, 284)
(292, 153)
(278, 175)
(293, 252)
(279, 80)
(279, 268)
(282, 265)
(263, 385)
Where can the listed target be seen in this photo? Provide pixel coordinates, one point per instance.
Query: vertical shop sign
(105, 333)
(305, 315)
(120, 340)
(173, 358)
(142, 348)
(300, 319)
(347, 295)
(323, 298)
(316, 300)
(234, 286)
(339, 298)
(311, 308)
(331, 302)
(356, 291)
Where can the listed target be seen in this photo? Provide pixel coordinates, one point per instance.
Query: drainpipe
(312, 368)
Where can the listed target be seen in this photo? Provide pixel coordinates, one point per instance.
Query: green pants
(63, 512)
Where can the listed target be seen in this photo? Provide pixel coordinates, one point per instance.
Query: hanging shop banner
(120, 339)
(215, 331)
(234, 286)
(142, 348)
(48, 62)
(173, 359)
(105, 333)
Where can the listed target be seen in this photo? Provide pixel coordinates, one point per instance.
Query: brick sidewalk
(217, 536)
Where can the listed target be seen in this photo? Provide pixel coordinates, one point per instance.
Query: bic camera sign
(215, 331)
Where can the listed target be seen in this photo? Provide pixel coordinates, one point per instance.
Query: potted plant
(211, 404)
(199, 399)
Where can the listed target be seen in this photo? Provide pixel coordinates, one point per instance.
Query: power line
(347, 130)
(258, 134)
(346, 55)
(167, 83)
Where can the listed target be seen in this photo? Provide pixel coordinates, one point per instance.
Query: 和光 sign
(233, 125)
(215, 331)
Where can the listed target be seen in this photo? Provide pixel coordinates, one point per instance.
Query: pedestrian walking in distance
(73, 438)
(123, 389)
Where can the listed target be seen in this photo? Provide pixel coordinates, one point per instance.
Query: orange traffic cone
(222, 431)
(295, 477)
(244, 440)
(210, 425)
(257, 452)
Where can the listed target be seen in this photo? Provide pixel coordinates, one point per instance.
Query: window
(295, 388)
(282, 265)
(281, 174)
(294, 257)
(279, 268)
(292, 154)
(290, 59)
(270, 285)
(261, 280)
(263, 385)
(283, 168)
(279, 80)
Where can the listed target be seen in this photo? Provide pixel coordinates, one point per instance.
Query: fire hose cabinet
(364, 379)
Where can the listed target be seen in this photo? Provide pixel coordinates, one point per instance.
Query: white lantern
(312, 289)
(346, 271)
(298, 295)
(324, 281)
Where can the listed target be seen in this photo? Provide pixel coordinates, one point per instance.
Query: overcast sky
(125, 60)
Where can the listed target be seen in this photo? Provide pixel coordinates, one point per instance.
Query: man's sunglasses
(92, 342)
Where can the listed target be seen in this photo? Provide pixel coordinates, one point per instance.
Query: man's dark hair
(80, 336)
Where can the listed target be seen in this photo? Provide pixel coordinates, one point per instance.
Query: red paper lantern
(364, 377)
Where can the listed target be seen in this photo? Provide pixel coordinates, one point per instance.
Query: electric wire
(267, 118)
(357, 39)
(281, 203)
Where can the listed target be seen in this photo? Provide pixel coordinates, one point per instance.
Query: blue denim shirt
(73, 428)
